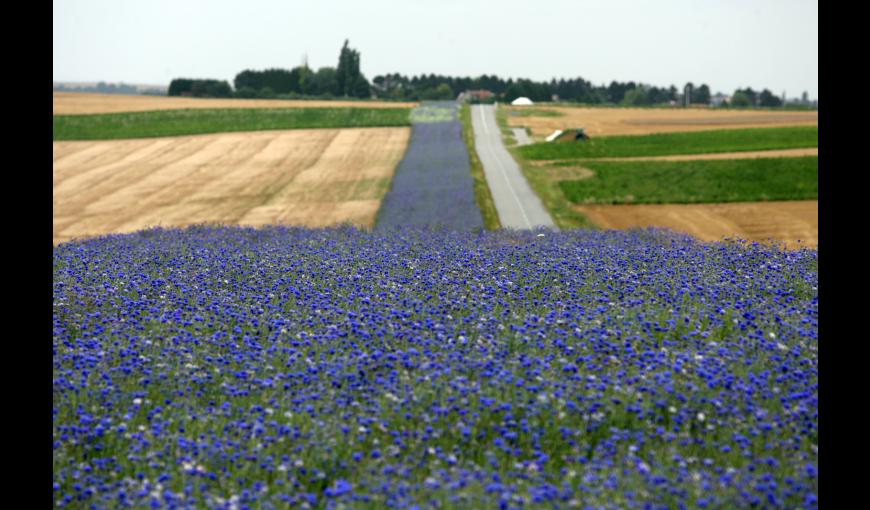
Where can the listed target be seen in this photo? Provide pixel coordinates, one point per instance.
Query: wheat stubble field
(310, 177)
(794, 223)
(78, 103)
(642, 121)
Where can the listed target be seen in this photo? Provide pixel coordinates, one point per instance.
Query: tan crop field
(75, 103)
(304, 177)
(642, 121)
(786, 222)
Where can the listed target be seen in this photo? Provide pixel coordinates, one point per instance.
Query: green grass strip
(113, 126)
(482, 193)
(665, 144)
(701, 181)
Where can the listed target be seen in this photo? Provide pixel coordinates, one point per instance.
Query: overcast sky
(724, 43)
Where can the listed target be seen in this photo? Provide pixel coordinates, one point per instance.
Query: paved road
(517, 205)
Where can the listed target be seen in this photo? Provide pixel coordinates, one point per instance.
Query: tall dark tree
(350, 81)
(688, 92)
(701, 95)
(766, 98)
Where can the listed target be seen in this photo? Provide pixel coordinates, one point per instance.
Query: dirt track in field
(642, 121)
(75, 103)
(305, 177)
(786, 222)
(783, 153)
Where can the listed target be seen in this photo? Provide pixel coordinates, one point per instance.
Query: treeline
(397, 86)
(432, 86)
(345, 80)
(748, 97)
(199, 88)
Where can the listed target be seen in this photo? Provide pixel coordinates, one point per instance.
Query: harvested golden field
(305, 177)
(74, 103)
(642, 121)
(787, 221)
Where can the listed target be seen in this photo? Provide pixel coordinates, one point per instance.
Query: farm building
(522, 101)
(476, 96)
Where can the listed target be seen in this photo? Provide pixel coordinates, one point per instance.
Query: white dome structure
(522, 101)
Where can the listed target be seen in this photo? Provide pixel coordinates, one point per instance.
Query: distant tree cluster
(199, 88)
(745, 98)
(346, 80)
(432, 86)
(107, 88)
(397, 86)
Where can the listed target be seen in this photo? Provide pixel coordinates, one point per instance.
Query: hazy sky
(724, 43)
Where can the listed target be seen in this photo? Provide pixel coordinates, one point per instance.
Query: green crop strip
(700, 181)
(115, 126)
(664, 144)
(481, 189)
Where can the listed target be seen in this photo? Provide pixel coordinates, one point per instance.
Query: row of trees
(748, 97)
(397, 86)
(199, 88)
(432, 86)
(345, 80)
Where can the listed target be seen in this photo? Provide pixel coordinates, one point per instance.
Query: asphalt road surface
(517, 205)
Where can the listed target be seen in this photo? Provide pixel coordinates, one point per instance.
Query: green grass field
(700, 181)
(112, 126)
(664, 144)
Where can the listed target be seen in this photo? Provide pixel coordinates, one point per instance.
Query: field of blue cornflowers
(221, 367)
(433, 186)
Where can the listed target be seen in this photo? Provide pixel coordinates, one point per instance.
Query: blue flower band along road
(231, 367)
(433, 186)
